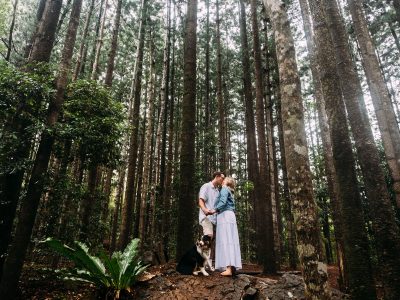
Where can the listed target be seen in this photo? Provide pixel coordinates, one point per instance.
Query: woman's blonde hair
(230, 182)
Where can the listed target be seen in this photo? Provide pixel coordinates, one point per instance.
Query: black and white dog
(197, 258)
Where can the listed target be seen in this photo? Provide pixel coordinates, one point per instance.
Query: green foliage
(23, 99)
(93, 119)
(113, 274)
(5, 8)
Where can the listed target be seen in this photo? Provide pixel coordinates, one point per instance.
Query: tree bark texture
(186, 197)
(223, 154)
(386, 231)
(299, 174)
(379, 93)
(252, 156)
(358, 265)
(325, 137)
(265, 234)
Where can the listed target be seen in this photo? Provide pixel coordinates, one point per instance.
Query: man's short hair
(217, 174)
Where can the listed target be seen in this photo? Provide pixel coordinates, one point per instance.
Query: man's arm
(204, 208)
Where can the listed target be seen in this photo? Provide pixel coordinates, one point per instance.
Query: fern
(117, 273)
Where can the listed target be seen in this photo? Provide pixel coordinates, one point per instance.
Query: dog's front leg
(208, 261)
(203, 271)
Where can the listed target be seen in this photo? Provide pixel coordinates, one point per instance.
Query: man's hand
(208, 212)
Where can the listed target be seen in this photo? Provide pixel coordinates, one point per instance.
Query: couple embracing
(217, 209)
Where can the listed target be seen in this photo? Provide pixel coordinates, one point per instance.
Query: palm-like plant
(114, 274)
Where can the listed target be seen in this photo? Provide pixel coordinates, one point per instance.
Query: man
(207, 196)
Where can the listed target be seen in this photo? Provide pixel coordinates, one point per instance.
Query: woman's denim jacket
(225, 200)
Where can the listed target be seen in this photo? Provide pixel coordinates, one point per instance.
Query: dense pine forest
(113, 114)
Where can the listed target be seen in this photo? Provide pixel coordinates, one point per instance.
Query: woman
(227, 251)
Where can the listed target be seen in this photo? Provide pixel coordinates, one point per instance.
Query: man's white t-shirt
(209, 193)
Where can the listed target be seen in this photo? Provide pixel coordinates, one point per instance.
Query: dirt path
(164, 283)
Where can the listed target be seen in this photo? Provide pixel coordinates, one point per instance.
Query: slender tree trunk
(386, 231)
(223, 162)
(276, 211)
(379, 93)
(252, 156)
(39, 14)
(114, 46)
(14, 262)
(117, 209)
(11, 31)
(207, 119)
(355, 237)
(186, 197)
(148, 154)
(99, 44)
(299, 174)
(64, 13)
(11, 182)
(166, 221)
(126, 224)
(83, 46)
(263, 216)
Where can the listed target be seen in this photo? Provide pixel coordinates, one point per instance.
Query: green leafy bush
(93, 120)
(113, 274)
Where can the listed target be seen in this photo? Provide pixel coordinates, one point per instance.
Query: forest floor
(163, 282)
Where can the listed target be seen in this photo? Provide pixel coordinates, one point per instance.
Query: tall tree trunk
(265, 234)
(126, 224)
(14, 262)
(39, 14)
(326, 140)
(223, 158)
(148, 154)
(288, 210)
(99, 44)
(11, 182)
(114, 45)
(252, 156)
(386, 231)
(108, 82)
(45, 34)
(11, 31)
(299, 174)
(269, 123)
(207, 104)
(379, 93)
(64, 13)
(117, 209)
(166, 220)
(83, 46)
(354, 234)
(186, 197)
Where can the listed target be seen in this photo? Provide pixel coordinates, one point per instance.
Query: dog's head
(204, 243)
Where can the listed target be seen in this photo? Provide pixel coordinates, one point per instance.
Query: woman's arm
(222, 199)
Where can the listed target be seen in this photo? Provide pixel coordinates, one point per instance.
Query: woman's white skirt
(227, 249)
